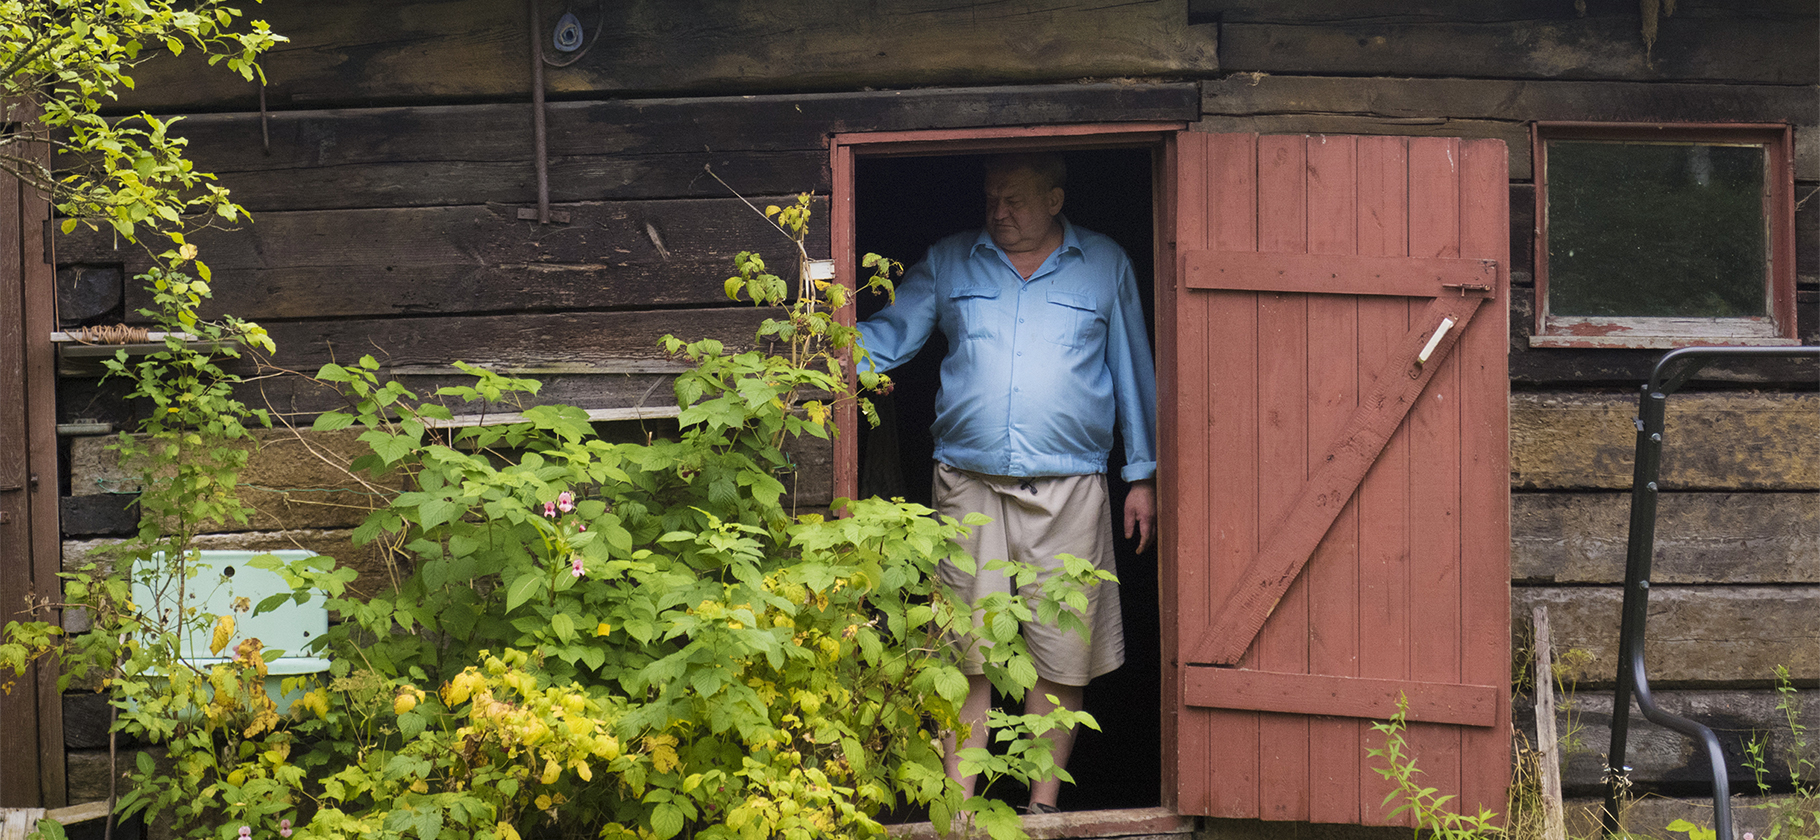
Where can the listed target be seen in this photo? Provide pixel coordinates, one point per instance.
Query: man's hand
(1140, 513)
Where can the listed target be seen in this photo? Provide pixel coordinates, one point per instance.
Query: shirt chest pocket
(1071, 319)
(975, 311)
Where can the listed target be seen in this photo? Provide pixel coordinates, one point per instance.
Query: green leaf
(410, 724)
(666, 821)
(563, 626)
(332, 421)
(435, 512)
(522, 589)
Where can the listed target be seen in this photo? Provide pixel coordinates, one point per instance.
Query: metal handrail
(1652, 416)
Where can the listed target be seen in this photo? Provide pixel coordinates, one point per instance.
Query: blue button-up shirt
(1037, 371)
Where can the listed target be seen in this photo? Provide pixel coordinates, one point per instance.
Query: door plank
(1485, 526)
(1282, 388)
(1434, 231)
(1352, 697)
(1337, 274)
(1230, 418)
(1383, 497)
(1293, 538)
(1334, 756)
(1193, 414)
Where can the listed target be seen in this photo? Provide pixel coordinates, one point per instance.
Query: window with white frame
(1658, 236)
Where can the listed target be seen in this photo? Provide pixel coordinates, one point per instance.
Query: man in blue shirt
(1047, 354)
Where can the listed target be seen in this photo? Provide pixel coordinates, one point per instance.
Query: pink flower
(284, 828)
(565, 501)
(549, 509)
(246, 831)
(575, 567)
(582, 526)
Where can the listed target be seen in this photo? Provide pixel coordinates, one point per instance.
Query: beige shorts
(1033, 521)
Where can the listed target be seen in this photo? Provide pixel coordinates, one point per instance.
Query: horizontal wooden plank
(1699, 636)
(344, 51)
(1323, 695)
(1756, 538)
(1338, 274)
(456, 260)
(516, 340)
(98, 514)
(1704, 40)
(610, 149)
(1647, 817)
(1714, 441)
(1520, 102)
(1662, 757)
(1627, 369)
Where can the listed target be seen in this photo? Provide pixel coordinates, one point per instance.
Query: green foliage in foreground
(616, 640)
(70, 58)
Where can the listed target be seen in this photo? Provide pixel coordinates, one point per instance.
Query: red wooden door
(1335, 416)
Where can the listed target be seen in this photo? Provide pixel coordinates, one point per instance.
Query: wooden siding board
(1698, 635)
(1714, 441)
(1659, 756)
(1702, 41)
(471, 259)
(1742, 538)
(358, 51)
(518, 341)
(1625, 369)
(1503, 107)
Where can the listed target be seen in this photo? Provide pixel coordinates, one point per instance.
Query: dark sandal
(1040, 808)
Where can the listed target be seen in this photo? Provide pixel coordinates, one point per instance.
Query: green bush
(597, 638)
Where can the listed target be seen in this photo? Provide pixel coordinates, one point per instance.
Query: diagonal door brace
(1296, 535)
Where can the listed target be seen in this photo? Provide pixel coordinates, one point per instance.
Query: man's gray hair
(1047, 166)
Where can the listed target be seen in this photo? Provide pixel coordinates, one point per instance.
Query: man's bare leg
(973, 713)
(1061, 741)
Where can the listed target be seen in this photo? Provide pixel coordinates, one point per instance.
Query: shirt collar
(1070, 242)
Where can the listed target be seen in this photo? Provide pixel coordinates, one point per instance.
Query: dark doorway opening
(901, 206)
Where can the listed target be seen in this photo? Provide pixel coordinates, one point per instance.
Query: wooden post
(1548, 748)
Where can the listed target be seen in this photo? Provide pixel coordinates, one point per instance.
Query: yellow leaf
(543, 803)
(224, 632)
(551, 772)
(603, 629)
(403, 703)
(506, 831)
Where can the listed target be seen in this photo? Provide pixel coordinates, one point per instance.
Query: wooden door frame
(1159, 138)
(31, 715)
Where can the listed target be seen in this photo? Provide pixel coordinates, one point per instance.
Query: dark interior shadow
(903, 205)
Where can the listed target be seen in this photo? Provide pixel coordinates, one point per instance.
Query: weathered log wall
(387, 210)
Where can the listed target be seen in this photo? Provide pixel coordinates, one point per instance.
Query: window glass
(1656, 229)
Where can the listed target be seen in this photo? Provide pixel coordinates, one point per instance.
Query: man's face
(1020, 209)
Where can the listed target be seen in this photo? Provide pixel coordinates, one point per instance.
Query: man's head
(1023, 197)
